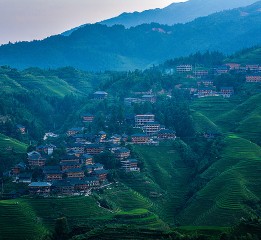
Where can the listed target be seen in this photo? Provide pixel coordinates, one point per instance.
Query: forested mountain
(191, 181)
(177, 12)
(98, 47)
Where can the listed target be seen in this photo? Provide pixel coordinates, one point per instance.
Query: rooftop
(40, 184)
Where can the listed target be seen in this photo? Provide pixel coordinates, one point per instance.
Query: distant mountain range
(175, 13)
(99, 47)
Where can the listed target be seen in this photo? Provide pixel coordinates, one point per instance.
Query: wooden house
(40, 188)
(35, 159)
(139, 138)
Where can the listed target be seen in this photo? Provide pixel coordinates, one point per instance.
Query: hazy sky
(37, 19)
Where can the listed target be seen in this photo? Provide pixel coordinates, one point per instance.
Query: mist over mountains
(99, 47)
(174, 13)
(177, 12)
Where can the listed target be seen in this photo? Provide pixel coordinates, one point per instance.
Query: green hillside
(252, 55)
(19, 221)
(10, 143)
(233, 185)
(97, 47)
(244, 119)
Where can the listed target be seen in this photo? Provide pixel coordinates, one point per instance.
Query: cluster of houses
(76, 172)
(205, 85)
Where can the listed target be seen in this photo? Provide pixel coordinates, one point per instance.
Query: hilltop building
(143, 119)
(100, 95)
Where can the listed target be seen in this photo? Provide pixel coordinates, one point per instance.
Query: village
(78, 173)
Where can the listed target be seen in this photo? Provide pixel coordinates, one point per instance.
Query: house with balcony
(140, 138)
(143, 119)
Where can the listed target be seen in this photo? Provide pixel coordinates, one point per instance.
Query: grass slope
(48, 85)
(232, 182)
(204, 124)
(168, 176)
(19, 221)
(7, 142)
(212, 107)
(34, 217)
(248, 56)
(244, 119)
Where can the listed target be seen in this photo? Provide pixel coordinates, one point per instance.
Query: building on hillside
(151, 128)
(130, 165)
(130, 101)
(87, 118)
(206, 92)
(140, 138)
(74, 131)
(86, 159)
(252, 68)
(69, 158)
(92, 182)
(18, 168)
(124, 137)
(184, 68)
(21, 129)
(149, 98)
(210, 134)
(64, 187)
(143, 119)
(222, 70)
(206, 83)
(200, 73)
(74, 173)
(233, 66)
(52, 173)
(166, 134)
(100, 174)
(102, 135)
(69, 165)
(35, 159)
(25, 177)
(91, 168)
(122, 153)
(76, 147)
(46, 149)
(40, 188)
(115, 139)
(226, 92)
(94, 149)
(100, 95)
(253, 78)
(113, 147)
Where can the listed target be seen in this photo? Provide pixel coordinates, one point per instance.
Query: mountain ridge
(181, 12)
(98, 47)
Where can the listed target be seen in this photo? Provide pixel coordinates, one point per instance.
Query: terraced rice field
(127, 199)
(204, 124)
(233, 180)
(35, 217)
(18, 221)
(75, 209)
(170, 174)
(212, 107)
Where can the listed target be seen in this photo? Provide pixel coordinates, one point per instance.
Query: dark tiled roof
(166, 131)
(102, 171)
(62, 183)
(40, 184)
(122, 150)
(74, 170)
(139, 135)
(69, 163)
